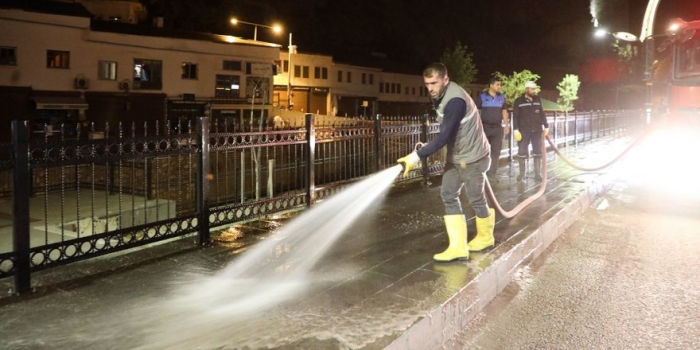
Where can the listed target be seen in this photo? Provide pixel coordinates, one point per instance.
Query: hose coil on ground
(543, 186)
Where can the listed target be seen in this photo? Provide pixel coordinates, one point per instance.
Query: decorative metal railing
(65, 200)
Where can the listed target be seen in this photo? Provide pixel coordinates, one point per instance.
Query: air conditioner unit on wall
(125, 85)
(81, 82)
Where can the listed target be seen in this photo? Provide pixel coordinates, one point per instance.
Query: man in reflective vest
(467, 161)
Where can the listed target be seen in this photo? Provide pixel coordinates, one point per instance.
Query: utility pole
(292, 50)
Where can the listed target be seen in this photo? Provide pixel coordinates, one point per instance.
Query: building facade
(66, 65)
(318, 84)
(67, 69)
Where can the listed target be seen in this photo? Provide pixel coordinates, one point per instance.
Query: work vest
(470, 143)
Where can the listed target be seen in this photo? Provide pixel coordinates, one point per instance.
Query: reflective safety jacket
(463, 134)
(528, 114)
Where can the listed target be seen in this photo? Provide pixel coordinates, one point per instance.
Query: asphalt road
(624, 276)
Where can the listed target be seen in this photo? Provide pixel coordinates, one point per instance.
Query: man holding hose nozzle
(467, 161)
(528, 121)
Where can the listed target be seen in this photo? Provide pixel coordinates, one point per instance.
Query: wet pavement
(624, 276)
(376, 288)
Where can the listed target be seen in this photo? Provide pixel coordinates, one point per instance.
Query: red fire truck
(684, 83)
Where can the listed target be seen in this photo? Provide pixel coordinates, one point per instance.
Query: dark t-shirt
(491, 108)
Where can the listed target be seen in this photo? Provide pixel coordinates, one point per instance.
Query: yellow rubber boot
(484, 233)
(457, 233)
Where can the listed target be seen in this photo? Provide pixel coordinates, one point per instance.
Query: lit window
(228, 86)
(57, 59)
(106, 70)
(148, 74)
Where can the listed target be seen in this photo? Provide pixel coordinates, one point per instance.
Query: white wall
(414, 83)
(32, 34)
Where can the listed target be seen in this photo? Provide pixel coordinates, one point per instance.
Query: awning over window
(54, 102)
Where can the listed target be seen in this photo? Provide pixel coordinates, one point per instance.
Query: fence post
(20, 205)
(242, 177)
(378, 147)
(554, 129)
(310, 158)
(424, 139)
(202, 185)
(271, 178)
(606, 122)
(566, 129)
(575, 129)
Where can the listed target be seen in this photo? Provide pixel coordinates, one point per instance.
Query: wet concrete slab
(377, 287)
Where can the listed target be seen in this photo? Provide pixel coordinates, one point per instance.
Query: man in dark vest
(528, 122)
(467, 161)
(494, 116)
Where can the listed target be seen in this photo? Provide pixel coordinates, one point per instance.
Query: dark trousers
(472, 177)
(533, 138)
(495, 136)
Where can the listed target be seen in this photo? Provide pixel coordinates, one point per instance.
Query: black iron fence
(67, 200)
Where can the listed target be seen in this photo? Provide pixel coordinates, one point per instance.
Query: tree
(568, 91)
(460, 64)
(514, 85)
(260, 87)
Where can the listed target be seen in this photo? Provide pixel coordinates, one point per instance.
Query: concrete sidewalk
(377, 288)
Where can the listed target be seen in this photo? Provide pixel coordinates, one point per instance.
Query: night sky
(549, 37)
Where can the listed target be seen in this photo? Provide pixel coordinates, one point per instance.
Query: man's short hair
(494, 80)
(435, 67)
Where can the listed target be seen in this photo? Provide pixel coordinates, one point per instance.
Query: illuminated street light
(275, 28)
(676, 25)
(624, 36)
(600, 33)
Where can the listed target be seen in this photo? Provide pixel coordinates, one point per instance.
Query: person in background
(494, 116)
(529, 121)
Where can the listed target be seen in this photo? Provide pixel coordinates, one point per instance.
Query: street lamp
(621, 36)
(275, 28)
(624, 36)
(292, 50)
